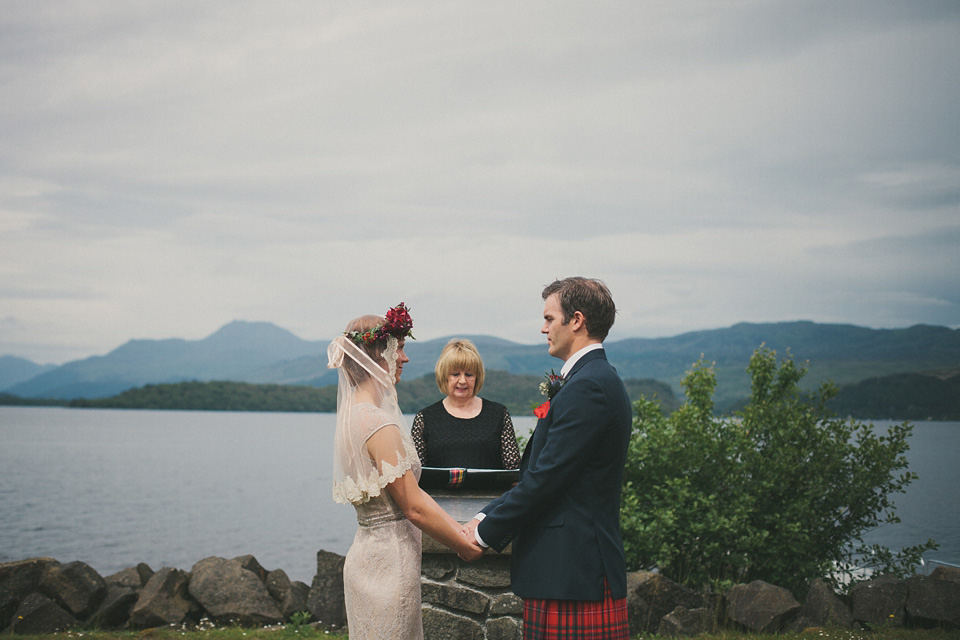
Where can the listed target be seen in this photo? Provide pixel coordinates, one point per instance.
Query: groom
(563, 516)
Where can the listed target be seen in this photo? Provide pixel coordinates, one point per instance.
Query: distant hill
(519, 393)
(234, 352)
(263, 353)
(14, 370)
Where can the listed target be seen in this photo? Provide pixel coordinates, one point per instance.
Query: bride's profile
(376, 469)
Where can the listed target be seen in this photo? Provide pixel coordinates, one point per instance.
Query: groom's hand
(469, 528)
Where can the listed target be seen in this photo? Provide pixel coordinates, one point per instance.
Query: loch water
(116, 487)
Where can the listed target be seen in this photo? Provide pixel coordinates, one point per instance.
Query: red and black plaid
(576, 619)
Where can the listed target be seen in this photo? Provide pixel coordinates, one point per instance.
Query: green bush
(781, 491)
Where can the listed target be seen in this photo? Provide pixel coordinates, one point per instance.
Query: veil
(366, 402)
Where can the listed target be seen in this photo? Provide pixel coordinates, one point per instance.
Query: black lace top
(486, 441)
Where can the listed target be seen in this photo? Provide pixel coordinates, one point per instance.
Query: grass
(295, 632)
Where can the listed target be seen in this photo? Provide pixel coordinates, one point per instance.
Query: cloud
(170, 166)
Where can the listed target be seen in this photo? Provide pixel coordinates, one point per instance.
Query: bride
(376, 469)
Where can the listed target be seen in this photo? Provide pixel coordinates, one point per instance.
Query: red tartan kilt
(576, 619)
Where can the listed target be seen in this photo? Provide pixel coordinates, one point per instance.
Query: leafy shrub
(782, 491)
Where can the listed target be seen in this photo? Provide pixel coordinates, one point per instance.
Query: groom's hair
(588, 296)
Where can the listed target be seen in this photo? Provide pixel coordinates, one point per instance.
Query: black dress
(486, 441)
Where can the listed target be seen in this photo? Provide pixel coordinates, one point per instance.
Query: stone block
(444, 625)
(506, 604)
(456, 597)
(504, 629)
(489, 572)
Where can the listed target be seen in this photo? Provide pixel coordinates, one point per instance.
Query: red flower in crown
(398, 324)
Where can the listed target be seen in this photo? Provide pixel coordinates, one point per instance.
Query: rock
(822, 608)
(760, 606)
(651, 596)
(290, 596)
(443, 625)
(933, 601)
(880, 601)
(489, 572)
(76, 587)
(506, 604)
(17, 581)
(438, 566)
(114, 611)
(503, 629)
(164, 600)
(683, 622)
(946, 573)
(325, 601)
(133, 577)
(455, 597)
(40, 614)
(250, 563)
(231, 594)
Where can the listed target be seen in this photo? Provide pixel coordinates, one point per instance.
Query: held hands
(474, 550)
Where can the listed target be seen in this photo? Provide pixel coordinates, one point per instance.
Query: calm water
(113, 488)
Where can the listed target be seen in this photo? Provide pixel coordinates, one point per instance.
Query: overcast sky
(169, 166)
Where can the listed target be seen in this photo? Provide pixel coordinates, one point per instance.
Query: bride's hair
(374, 349)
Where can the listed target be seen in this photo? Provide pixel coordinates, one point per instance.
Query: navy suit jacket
(563, 516)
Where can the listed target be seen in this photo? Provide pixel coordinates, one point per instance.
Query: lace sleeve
(383, 454)
(508, 443)
(416, 434)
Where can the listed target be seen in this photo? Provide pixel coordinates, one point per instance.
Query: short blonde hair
(459, 355)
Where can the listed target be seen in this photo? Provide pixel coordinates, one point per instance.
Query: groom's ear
(578, 321)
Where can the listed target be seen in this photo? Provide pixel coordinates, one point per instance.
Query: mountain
(14, 370)
(231, 353)
(261, 352)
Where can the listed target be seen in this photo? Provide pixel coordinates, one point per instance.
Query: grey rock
(880, 601)
(39, 614)
(651, 596)
(114, 611)
(438, 566)
(822, 608)
(683, 622)
(250, 563)
(17, 581)
(325, 600)
(133, 577)
(503, 629)
(443, 625)
(232, 594)
(933, 601)
(760, 606)
(164, 600)
(290, 596)
(489, 572)
(76, 587)
(455, 597)
(506, 604)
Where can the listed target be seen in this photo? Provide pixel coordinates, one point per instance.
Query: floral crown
(398, 324)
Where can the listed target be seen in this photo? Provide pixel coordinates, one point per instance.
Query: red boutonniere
(541, 410)
(549, 387)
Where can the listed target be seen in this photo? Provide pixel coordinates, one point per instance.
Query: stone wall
(460, 600)
(468, 601)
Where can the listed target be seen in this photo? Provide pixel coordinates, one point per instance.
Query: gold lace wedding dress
(381, 575)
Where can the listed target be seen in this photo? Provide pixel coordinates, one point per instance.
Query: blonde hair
(459, 355)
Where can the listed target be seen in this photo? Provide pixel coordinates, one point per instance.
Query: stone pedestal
(464, 600)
